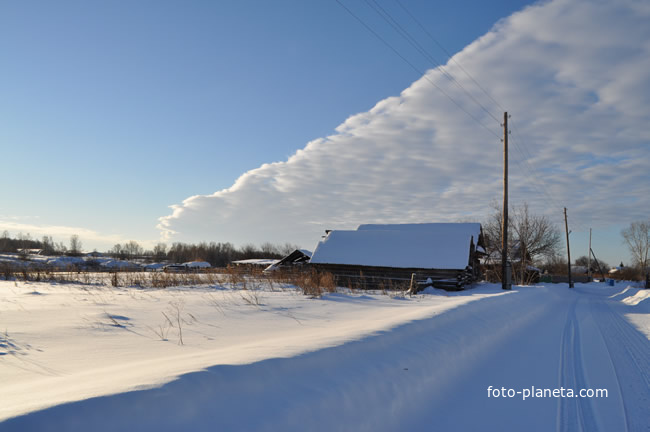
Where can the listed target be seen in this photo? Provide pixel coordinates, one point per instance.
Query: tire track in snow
(574, 414)
(629, 352)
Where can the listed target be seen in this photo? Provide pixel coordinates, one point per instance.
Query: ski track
(425, 375)
(629, 351)
(574, 414)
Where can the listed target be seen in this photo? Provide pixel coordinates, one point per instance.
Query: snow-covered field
(93, 357)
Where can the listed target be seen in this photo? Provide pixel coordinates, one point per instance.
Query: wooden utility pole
(568, 249)
(505, 279)
(597, 263)
(589, 257)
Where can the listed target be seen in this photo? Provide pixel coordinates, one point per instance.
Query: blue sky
(113, 111)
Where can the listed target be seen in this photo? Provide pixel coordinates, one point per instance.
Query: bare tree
(48, 245)
(160, 251)
(75, 245)
(4, 241)
(531, 238)
(133, 249)
(24, 243)
(60, 248)
(596, 265)
(287, 248)
(249, 251)
(637, 237)
(536, 234)
(269, 249)
(117, 251)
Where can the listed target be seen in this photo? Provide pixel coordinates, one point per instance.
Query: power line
(415, 44)
(416, 69)
(537, 180)
(543, 190)
(532, 169)
(448, 54)
(538, 184)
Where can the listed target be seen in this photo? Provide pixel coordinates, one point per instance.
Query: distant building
(295, 258)
(255, 262)
(30, 251)
(196, 265)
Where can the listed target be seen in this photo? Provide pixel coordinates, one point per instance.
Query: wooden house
(444, 255)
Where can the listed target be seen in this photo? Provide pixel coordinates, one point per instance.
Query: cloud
(575, 76)
(58, 232)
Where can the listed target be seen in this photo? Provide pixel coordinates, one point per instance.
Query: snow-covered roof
(197, 264)
(64, 261)
(31, 251)
(297, 257)
(119, 264)
(440, 246)
(256, 261)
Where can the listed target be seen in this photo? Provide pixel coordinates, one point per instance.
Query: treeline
(23, 242)
(217, 254)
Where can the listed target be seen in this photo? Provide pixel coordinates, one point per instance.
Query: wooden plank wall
(362, 277)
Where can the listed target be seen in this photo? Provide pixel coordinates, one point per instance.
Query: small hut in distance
(375, 256)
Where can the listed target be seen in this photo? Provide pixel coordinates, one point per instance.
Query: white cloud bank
(574, 74)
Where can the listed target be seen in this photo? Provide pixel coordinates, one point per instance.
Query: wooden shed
(296, 258)
(374, 256)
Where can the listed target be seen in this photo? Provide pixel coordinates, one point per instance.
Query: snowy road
(431, 374)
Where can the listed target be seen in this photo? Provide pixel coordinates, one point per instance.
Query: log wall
(365, 277)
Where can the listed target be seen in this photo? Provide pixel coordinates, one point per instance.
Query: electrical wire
(386, 16)
(536, 182)
(416, 69)
(451, 58)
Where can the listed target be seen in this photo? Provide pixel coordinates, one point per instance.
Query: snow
(154, 266)
(119, 264)
(405, 249)
(59, 262)
(65, 261)
(638, 307)
(424, 245)
(14, 260)
(96, 340)
(197, 264)
(637, 298)
(257, 261)
(269, 358)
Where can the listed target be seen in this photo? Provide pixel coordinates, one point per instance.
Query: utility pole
(598, 263)
(568, 249)
(505, 274)
(589, 257)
